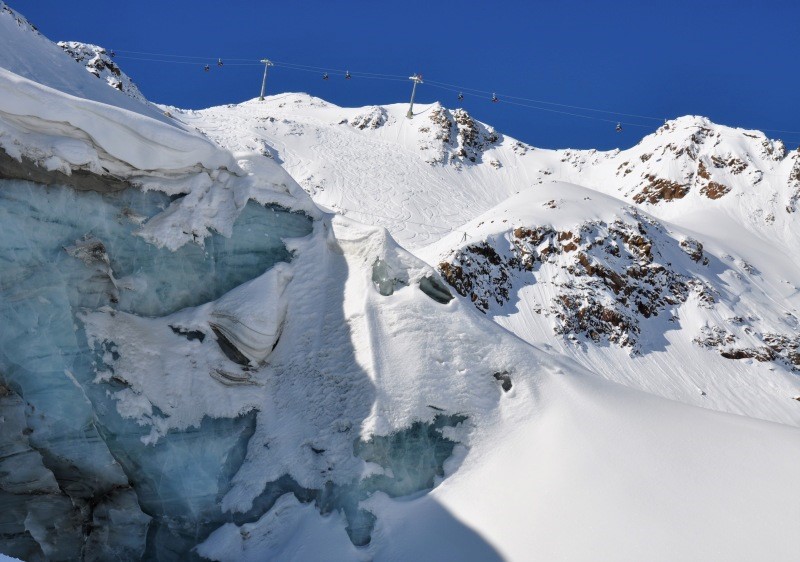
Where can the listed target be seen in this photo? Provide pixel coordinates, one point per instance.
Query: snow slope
(332, 152)
(592, 476)
(442, 168)
(443, 182)
(338, 403)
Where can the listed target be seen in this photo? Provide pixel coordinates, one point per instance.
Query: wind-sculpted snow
(147, 402)
(568, 503)
(41, 114)
(406, 462)
(253, 328)
(323, 430)
(81, 142)
(164, 351)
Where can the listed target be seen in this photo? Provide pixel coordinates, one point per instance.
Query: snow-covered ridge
(98, 62)
(693, 159)
(687, 166)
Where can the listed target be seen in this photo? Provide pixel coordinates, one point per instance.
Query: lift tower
(416, 79)
(267, 63)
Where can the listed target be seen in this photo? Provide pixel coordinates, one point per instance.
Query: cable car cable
(166, 58)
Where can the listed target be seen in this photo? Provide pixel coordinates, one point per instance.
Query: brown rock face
(611, 279)
(794, 181)
(660, 189)
(458, 137)
(714, 190)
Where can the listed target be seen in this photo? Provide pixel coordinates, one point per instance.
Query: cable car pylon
(267, 63)
(416, 79)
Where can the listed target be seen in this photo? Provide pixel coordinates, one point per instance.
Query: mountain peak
(698, 130)
(98, 62)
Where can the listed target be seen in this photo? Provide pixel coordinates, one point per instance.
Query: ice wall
(74, 460)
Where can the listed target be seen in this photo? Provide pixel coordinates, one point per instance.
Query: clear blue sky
(735, 62)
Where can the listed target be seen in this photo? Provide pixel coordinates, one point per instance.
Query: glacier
(64, 252)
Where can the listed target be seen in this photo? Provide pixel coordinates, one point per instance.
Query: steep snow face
(98, 62)
(24, 51)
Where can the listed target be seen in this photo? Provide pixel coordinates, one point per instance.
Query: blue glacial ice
(403, 463)
(63, 252)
